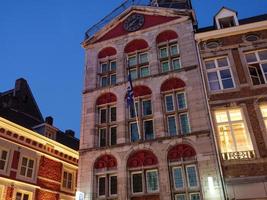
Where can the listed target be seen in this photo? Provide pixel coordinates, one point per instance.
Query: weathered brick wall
(9, 193)
(50, 169)
(245, 170)
(44, 195)
(48, 185)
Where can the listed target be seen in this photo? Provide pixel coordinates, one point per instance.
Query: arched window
(137, 58)
(184, 172)
(107, 119)
(105, 170)
(141, 115)
(143, 172)
(175, 107)
(168, 50)
(108, 65)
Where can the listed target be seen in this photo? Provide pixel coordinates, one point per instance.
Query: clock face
(134, 22)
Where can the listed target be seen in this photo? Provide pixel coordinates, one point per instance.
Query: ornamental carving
(166, 36)
(106, 161)
(180, 151)
(172, 84)
(106, 98)
(142, 158)
(141, 90)
(135, 45)
(108, 51)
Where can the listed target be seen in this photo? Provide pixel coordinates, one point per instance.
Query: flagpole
(137, 121)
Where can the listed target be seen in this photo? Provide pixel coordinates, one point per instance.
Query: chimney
(70, 133)
(49, 120)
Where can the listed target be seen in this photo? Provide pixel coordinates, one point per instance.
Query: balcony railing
(238, 155)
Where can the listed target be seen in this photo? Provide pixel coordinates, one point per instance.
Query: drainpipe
(225, 195)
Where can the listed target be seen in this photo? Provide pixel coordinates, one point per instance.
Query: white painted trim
(152, 170)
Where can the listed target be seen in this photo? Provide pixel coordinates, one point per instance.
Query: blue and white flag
(130, 94)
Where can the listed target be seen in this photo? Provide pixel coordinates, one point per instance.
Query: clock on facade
(134, 22)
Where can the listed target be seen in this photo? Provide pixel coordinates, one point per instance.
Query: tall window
(264, 113)
(219, 73)
(22, 195)
(175, 107)
(184, 173)
(143, 173)
(257, 65)
(137, 59)
(108, 73)
(107, 66)
(233, 134)
(3, 158)
(141, 124)
(107, 120)
(68, 180)
(106, 177)
(168, 51)
(27, 167)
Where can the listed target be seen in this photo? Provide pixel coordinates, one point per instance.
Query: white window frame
(101, 83)
(145, 66)
(259, 61)
(68, 171)
(182, 194)
(137, 107)
(110, 107)
(109, 186)
(102, 63)
(169, 67)
(99, 136)
(98, 178)
(175, 118)
(137, 172)
(153, 128)
(107, 118)
(23, 192)
(179, 63)
(115, 126)
(152, 170)
(185, 97)
(217, 69)
(264, 118)
(139, 57)
(164, 47)
(110, 62)
(173, 178)
(178, 50)
(133, 122)
(192, 193)
(142, 102)
(27, 168)
(180, 122)
(110, 78)
(187, 176)
(173, 103)
(7, 158)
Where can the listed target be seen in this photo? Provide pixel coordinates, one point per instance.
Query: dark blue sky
(40, 41)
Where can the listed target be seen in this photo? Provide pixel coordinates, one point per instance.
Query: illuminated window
(68, 178)
(22, 196)
(219, 74)
(257, 66)
(264, 113)
(232, 131)
(27, 166)
(3, 159)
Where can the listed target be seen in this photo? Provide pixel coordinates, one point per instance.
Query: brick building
(37, 161)
(161, 148)
(233, 56)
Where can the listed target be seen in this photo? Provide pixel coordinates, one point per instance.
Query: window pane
(163, 52)
(147, 107)
(132, 61)
(18, 196)
(2, 164)
(143, 58)
(169, 103)
(113, 135)
(195, 196)
(212, 76)
(176, 64)
(251, 57)
(25, 197)
(264, 68)
(24, 161)
(137, 184)
(113, 79)
(180, 197)
(185, 128)
(174, 50)
(144, 71)
(113, 65)
(263, 55)
(148, 129)
(104, 67)
(132, 110)
(30, 164)
(235, 114)
(104, 81)
(113, 185)
(134, 132)
(210, 64)
(113, 113)
(192, 176)
(133, 73)
(178, 178)
(241, 137)
(103, 116)
(152, 181)
(226, 139)
(221, 116)
(4, 155)
(222, 62)
(181, 101)
(102, 137)
(69, 181)
(213, 81)
(226, 79)
(264, 110)
(165, 66)
(29, 173)
(172, 126)
(23, 171)
(101, 186)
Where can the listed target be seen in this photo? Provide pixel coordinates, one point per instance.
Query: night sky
(40, 41)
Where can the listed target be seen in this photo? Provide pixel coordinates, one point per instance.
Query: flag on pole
(130, 93)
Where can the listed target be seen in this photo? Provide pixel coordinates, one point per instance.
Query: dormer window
(227, 22)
